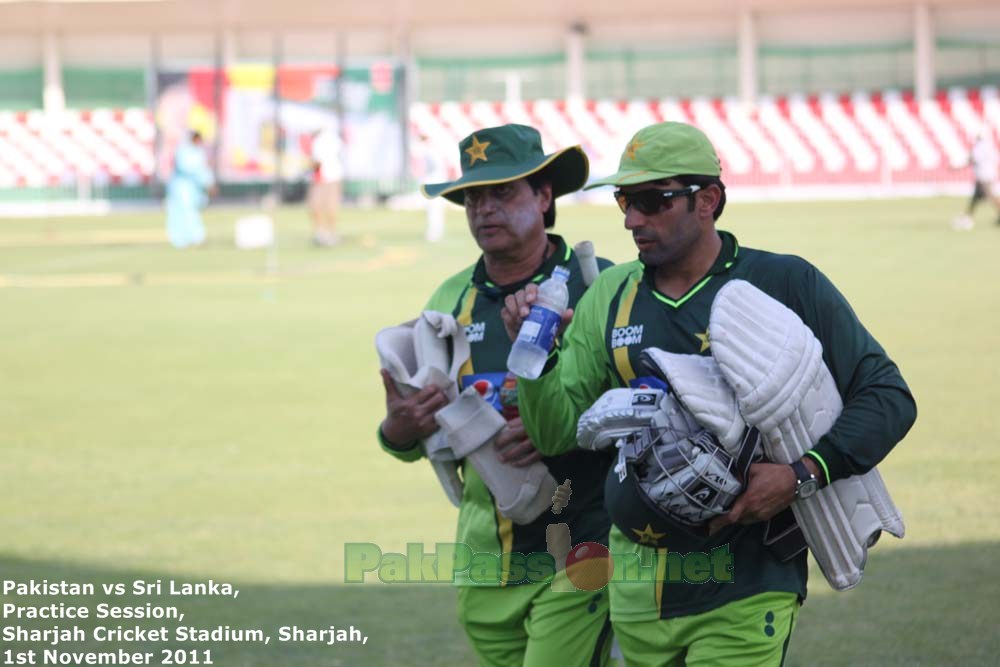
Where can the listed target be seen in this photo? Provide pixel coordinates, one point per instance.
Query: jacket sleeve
(407, 453)
(574, 377)
(878, 406)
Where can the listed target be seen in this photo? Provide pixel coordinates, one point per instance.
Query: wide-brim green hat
(664, 150)
(509, 152)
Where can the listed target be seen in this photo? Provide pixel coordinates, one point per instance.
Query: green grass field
(210, 414)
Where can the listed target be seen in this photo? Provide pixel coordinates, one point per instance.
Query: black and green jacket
(476, 303)
(623, 313)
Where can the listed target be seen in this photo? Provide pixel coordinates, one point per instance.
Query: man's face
(668, 234)
(505, 216)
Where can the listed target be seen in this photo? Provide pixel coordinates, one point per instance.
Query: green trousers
(534, 626)
(750, 632)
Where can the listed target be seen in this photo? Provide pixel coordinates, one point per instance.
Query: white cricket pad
(416, 354)
(430, 351)
(703, 391)
(775, 366)
(471, 426)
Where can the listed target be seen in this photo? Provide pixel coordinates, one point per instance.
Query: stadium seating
(98, 147)
(864, 138)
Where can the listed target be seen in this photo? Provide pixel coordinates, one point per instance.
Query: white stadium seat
(847, 131)
(900, 117)
(795, 150)
(816, 133)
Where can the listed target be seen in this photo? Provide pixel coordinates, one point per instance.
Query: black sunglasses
(651, 202)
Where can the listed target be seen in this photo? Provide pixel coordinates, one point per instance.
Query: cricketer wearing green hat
(508, 188)
(509, 152)
(664, 151)
(670, 194)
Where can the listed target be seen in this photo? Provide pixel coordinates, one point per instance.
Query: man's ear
(708, 199)
(545, 191)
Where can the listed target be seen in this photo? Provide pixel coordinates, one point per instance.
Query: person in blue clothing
(187, 194)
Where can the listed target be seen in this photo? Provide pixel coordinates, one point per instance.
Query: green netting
(86, 88)
(810, 69)
(969, 63)
(609, 74)
(487, 78)
(21, 90)
(692, 72)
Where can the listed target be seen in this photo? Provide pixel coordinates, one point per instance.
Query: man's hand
(514, 445)
(412, 418)
(770, 489)
(518, 305)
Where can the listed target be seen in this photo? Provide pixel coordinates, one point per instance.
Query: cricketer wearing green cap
(508, 188)
(669, 189)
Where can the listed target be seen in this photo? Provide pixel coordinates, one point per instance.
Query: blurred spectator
(326, 189)
(984, 163)
(187, 193)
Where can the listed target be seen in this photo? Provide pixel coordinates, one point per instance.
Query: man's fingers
(515, 450)
(430, 394)
(517, 306)
(527, 460)
(509, 315)
(424, 410)
(523, 307)
(510, 306)
(718, 523)
(505, 438)
(734, 514)
(516, 428)
(427, 426)
(525, 298)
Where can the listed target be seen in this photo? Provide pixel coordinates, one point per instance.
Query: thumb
(730, 517)
(389, 384)
(567, 317)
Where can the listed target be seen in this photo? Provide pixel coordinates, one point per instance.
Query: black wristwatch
(806, 483)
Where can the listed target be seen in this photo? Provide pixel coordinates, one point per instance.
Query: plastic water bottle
(538, 331)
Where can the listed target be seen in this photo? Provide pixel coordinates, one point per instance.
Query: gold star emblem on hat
(705, 342)
(477, 151)
(647, 535)
(632, 147)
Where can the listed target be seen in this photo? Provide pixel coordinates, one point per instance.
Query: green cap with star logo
(502, 154)
(664, 150)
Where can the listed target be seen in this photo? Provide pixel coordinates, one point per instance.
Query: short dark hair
(536, 181)
(703, 182)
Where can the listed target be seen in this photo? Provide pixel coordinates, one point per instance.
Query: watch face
(807, 488)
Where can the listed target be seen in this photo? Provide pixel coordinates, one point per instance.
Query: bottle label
(540, 327)
(508, 397)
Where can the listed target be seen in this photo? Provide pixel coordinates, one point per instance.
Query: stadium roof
(166, 15)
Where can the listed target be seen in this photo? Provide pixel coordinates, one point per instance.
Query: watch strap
(802, 474)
